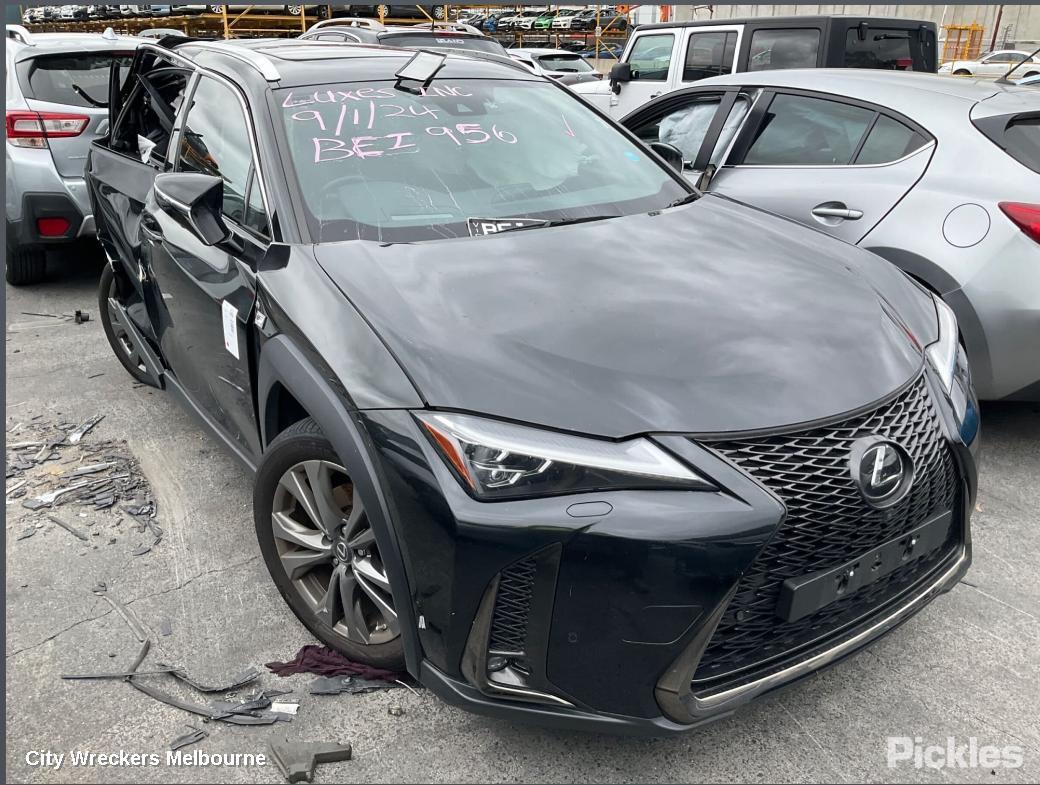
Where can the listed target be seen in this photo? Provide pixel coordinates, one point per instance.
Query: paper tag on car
(230, 314)
(482, 226)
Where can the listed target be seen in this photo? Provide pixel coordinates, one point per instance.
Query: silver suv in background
(888, 161)
(57, 103)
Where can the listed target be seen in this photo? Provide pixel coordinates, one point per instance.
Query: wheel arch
(286, 379)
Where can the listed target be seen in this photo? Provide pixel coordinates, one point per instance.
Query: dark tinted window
(256, 217)
(1022, 142)
(895, 50)
(568, 63)
(889, 140)
(772, 49)
(64, 79)
(216, 141)
(709, 54)
(802, 131)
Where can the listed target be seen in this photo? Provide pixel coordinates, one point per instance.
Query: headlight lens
(943, 353)
(500, 460)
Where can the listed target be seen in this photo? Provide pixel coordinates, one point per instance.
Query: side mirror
(619, 74)
(670, 153)
(197, 197)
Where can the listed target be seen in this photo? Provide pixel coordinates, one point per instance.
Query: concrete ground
(967, 667)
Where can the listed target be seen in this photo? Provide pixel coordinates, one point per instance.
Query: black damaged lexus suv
(528, 415)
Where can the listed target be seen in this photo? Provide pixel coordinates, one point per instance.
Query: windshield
(562, 62)
(445, 41)
(377, 163)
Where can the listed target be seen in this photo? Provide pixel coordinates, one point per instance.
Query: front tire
(319, 545)
(26, 265)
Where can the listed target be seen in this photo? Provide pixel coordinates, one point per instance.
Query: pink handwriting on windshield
(370, 93)
(326, 149)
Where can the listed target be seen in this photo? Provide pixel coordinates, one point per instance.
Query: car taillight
(52, 227)
(1025, 216)
(33, 129)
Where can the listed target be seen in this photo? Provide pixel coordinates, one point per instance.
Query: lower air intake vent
(512, 608)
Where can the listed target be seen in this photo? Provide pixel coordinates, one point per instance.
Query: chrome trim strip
(713, 704)
(929, 146)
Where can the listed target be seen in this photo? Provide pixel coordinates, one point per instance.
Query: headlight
(943, 353)
(500, 460)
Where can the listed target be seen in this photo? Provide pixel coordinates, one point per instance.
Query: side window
(256, 217)
(772, 49)
(651, 56)
(215, 141)
(801, 131)
(889, 140)
(686, 127)
(145, 124)
(709, 54)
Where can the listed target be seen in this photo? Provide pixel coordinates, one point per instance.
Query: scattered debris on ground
(296, 761)
(59, 464)
(353, 685)
(193, 737)
(395, 711)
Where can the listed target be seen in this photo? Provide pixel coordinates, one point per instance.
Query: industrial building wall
(1019, 24)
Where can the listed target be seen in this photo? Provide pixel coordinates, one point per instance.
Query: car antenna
(421, 68)
(1005, 79)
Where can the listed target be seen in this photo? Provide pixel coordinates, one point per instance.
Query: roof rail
(19, 33)
(348, 21)
(260, 62)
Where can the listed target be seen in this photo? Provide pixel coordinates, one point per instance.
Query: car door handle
(844, 213)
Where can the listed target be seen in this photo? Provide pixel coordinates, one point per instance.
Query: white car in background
(565, 67)
(994, 65)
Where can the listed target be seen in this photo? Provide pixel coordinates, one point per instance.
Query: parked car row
(546, 19)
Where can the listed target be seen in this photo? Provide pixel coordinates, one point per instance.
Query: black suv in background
(502, 434)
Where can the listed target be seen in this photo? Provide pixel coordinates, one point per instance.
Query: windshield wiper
(88, 98)
(542, 224)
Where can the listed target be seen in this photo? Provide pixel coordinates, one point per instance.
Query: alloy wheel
(328, 550)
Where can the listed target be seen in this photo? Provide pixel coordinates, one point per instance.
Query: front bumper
(601, 606)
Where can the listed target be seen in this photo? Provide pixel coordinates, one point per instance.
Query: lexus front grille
(829, 524)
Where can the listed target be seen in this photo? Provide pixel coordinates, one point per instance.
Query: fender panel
(281, 361)
(939, 280)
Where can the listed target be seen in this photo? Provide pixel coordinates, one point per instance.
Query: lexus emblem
(882, 470)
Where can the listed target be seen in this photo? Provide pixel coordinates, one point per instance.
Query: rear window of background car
(892, 49)
(1022, 141)
(55, 77)
(772, 49)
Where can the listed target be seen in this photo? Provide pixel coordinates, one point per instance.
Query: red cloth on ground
(323, 661)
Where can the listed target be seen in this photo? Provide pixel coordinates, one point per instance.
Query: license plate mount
(807, 594)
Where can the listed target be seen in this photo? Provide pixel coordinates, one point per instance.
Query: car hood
(705, 318)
